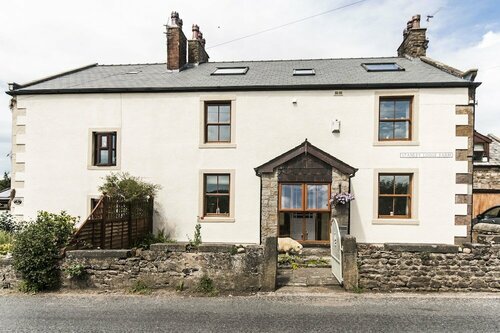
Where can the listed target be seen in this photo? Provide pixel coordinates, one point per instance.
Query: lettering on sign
(427, 155)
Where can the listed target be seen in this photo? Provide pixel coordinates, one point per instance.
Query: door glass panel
(317, 196)
(291, 196)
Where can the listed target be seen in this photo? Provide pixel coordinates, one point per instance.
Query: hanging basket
(341, 199)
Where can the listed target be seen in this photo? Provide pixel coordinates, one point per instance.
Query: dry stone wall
(171, 266)
(399, 267)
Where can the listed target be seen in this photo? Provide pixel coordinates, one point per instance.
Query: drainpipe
(349, 210)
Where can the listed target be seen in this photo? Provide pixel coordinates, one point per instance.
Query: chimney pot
(196, 47)
(414, 40)
(176, 43)
(196, 31)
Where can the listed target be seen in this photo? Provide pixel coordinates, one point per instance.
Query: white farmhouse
(252, 149)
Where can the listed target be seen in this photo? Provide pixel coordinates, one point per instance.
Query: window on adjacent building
(382, 67)
(395, 119)
(104, 144)
(394, 195)
(218, 122)
(230, 71)
(217, 194)
(481, 151)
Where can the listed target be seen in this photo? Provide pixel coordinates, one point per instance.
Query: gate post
(349, 262)
(268, 282)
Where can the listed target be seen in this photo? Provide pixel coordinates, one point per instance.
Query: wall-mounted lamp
(294, 101)
(336, 126)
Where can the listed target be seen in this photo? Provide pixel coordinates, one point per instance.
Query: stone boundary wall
(8, 276)
(173, 266)
(409, 267)
(243, 268)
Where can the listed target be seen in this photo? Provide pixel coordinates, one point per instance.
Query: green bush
(196, 241)
(37, 249)
(123, 186)
(206, 286)
(75, 271)
(5, 242)
(149, 239)
(140, 287)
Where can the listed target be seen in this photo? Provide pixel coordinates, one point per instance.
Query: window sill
(95, 167)
(396, 143)
(217, 145)
(215, 219)
(396, 221)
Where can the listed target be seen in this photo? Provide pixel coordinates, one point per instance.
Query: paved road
(279, 313)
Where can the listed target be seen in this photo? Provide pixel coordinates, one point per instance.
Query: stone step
(305, 277)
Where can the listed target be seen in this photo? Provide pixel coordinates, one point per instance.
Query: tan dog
(287, 245)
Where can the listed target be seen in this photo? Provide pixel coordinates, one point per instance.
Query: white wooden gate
(336, 250)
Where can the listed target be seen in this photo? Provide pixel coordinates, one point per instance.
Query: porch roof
(305, 148)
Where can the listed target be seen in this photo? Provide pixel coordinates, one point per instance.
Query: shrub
(37, 249)
(206, 286)
(5, 242)
(149, 239)
(75, 271)
(196, 241)
(7, 222)
(123, 186)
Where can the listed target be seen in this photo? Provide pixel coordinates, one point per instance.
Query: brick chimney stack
(176, 43)
(414, 41)
(196, 47)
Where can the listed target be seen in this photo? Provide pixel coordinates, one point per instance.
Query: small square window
(382, 67)
(303, 72)
(394, 195)
(104, 148)
(230, 71)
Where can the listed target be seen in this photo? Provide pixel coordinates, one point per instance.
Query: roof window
(303, 71)
(230, 71)
(383, 67)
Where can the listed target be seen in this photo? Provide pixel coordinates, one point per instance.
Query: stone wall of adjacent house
(8, 276)
(173, 266)
(400, 267)
(487, 178)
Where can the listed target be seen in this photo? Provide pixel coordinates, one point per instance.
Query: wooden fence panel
(115, 224)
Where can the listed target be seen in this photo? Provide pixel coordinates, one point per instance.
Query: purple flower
(341, 198)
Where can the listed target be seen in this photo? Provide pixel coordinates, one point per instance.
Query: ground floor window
(217, 194)
(394, 195)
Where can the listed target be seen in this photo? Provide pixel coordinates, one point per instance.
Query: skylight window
(383, 67)
(230, 71)
(303, 71)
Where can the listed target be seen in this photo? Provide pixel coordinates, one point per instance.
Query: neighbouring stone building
(486, 184)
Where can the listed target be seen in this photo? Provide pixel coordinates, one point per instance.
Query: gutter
(23, 91)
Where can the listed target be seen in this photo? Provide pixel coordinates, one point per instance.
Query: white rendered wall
(160, 136)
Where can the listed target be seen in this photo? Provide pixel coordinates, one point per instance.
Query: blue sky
(41, 38)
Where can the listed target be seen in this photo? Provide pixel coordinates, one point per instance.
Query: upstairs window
(395, 119)
(230, 71)
(382, 67)
(104, 144)
(217, 122)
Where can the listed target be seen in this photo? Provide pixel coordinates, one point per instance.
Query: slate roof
(262, 75)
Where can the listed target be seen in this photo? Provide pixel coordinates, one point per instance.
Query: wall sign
(427, 155)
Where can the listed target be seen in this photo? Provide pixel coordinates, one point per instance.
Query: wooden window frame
(218, 124)
(396, 120)
(409, 195)
(304, 198)
(96, 139)
(205, 195)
